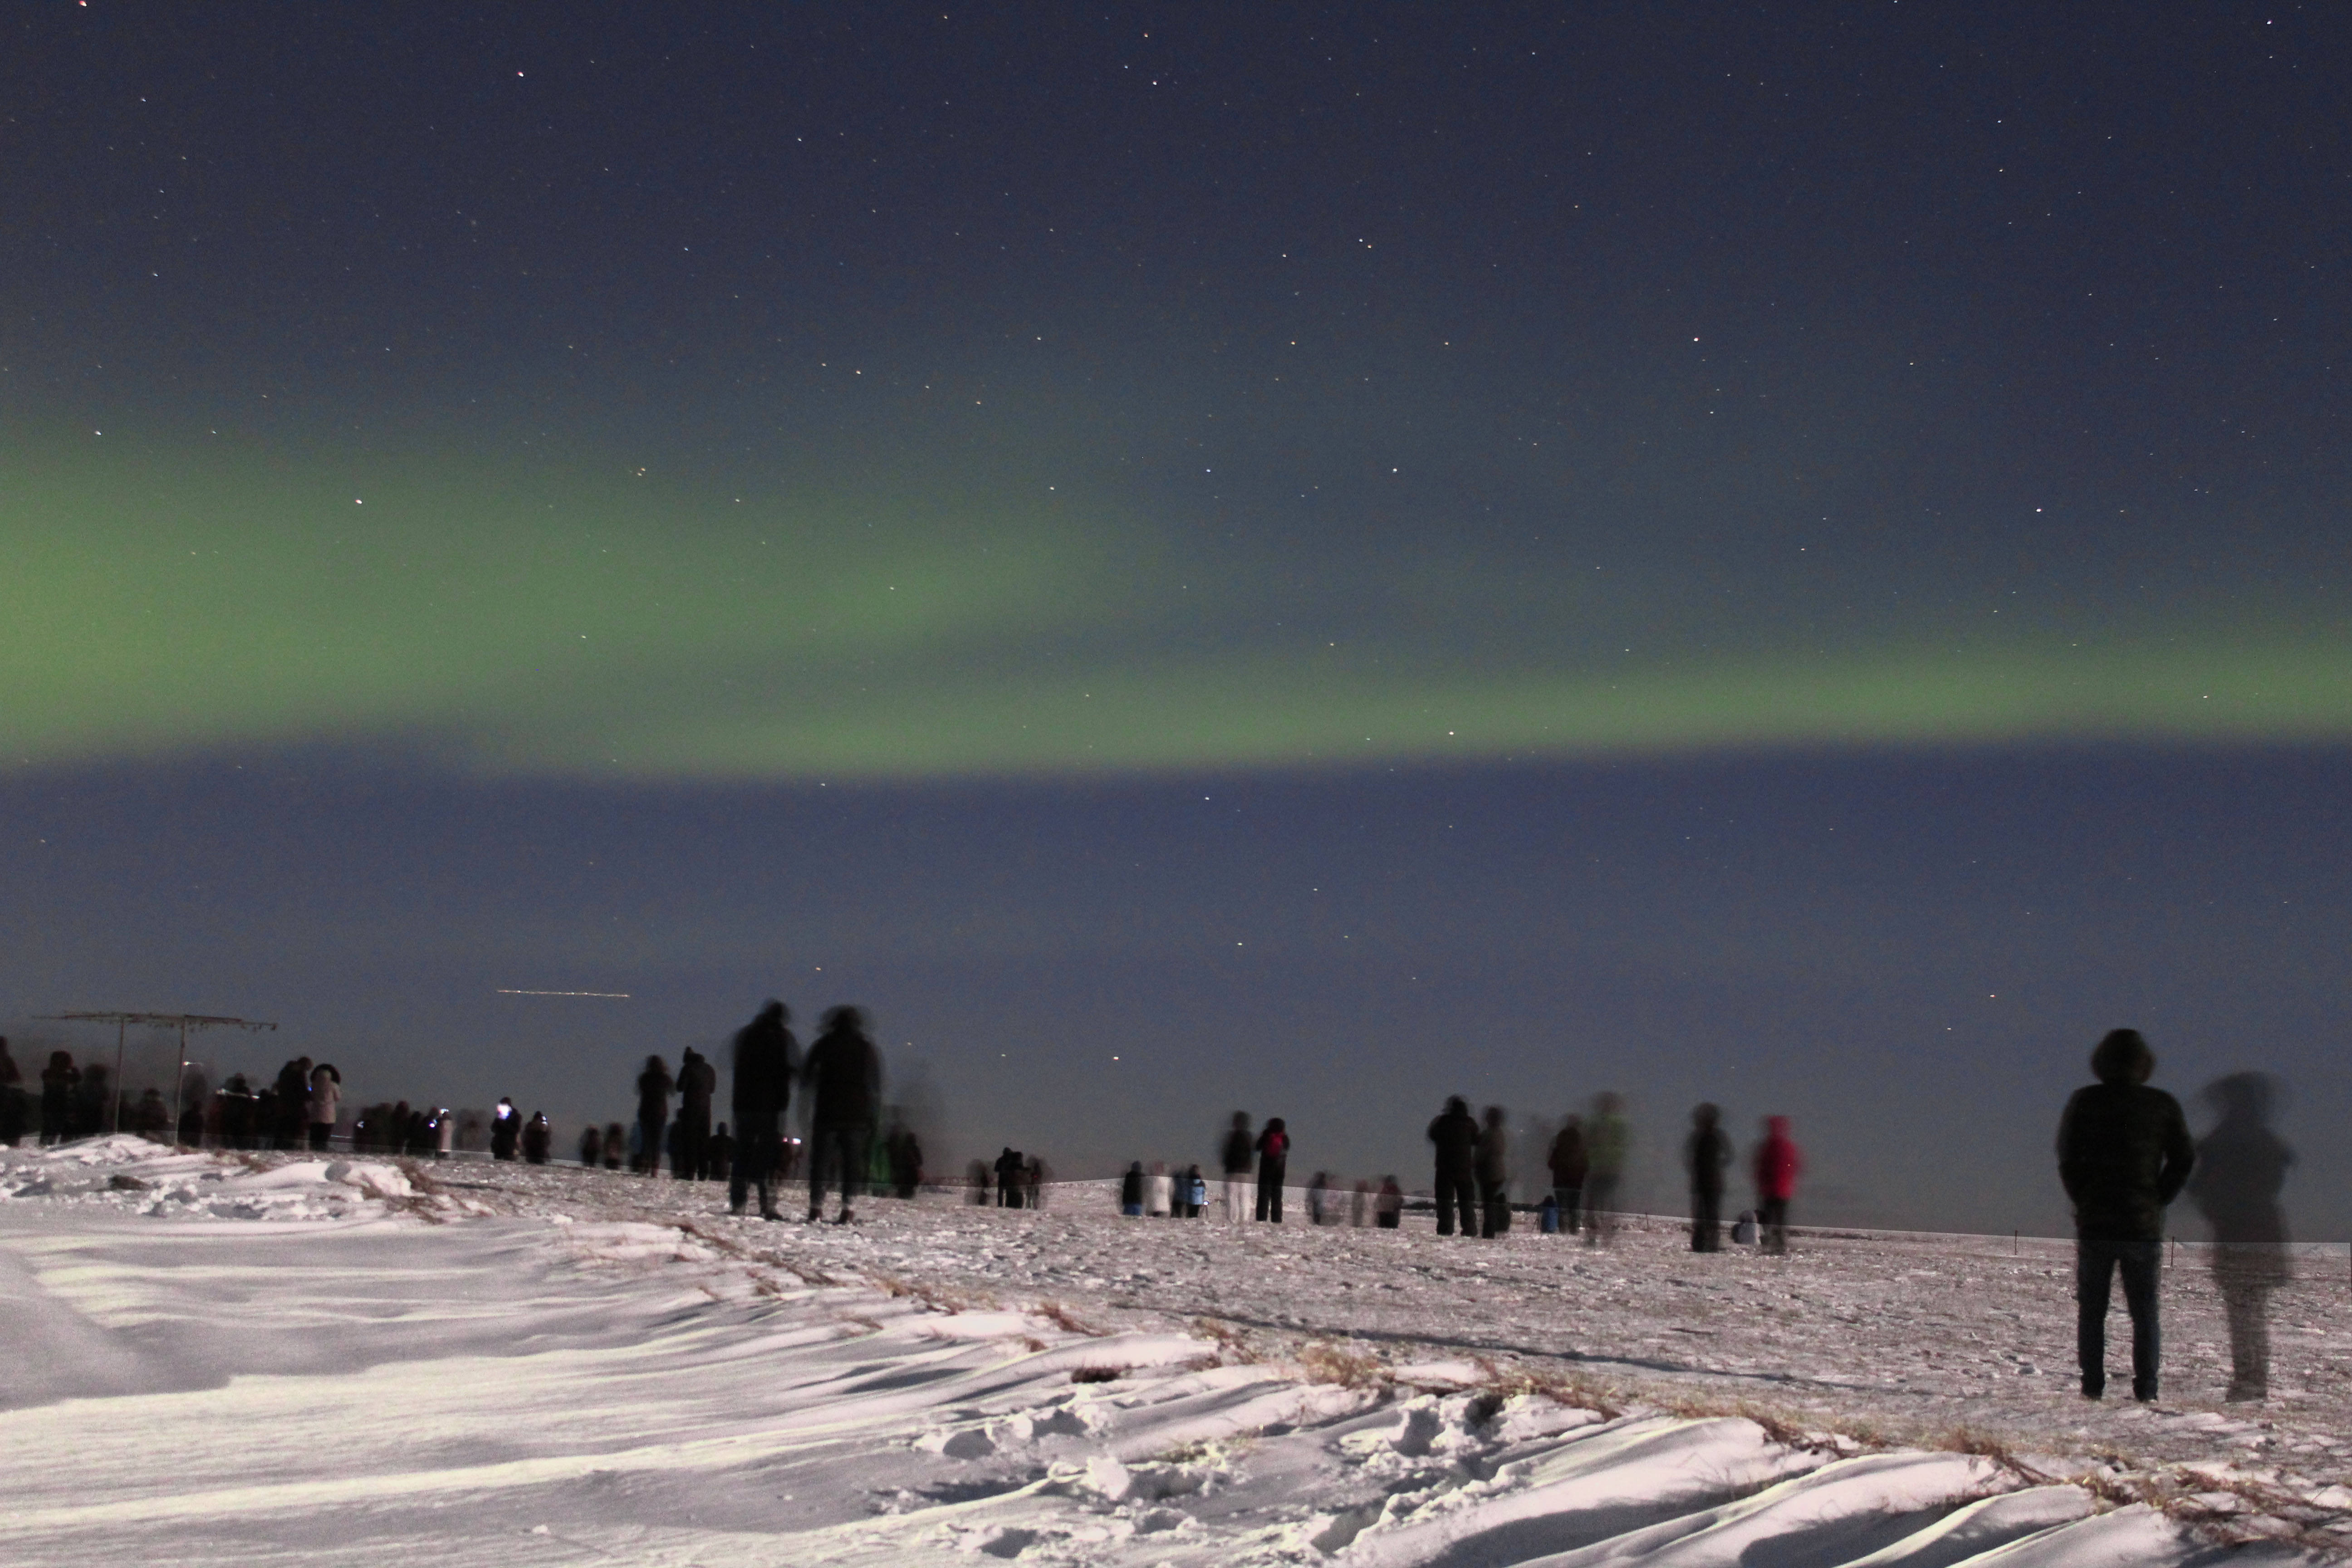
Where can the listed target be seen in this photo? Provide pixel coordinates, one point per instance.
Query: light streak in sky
(610, 995)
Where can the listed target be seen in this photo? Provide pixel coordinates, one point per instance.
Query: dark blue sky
(1334, 554)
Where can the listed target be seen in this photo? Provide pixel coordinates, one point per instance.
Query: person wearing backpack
(1272, 1156)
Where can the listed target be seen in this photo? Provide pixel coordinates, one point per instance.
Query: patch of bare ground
(1061, 1316)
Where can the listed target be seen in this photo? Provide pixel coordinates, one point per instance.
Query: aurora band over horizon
(537, 621)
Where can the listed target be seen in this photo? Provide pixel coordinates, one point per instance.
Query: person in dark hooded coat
(763, 1073)
(2124, 1154)
(1455, 1132)
(845, 1071)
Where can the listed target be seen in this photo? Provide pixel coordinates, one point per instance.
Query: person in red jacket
(1778, 1166)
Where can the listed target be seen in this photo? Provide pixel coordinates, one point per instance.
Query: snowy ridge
(567, 1374)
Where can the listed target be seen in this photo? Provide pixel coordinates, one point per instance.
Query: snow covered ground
(214, 1359)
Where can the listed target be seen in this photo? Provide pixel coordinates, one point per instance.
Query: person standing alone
(846, 1073)
(2123, 1153)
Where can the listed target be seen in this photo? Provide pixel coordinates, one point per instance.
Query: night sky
(1302, 558)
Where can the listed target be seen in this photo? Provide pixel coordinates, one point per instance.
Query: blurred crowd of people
(2124, 1155)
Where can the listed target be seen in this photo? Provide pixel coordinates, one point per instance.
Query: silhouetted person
(292, 1093)
(1130, 1191)
(1493, 1171)
(1011, 1168)
(537, 1134)
(616, 1145)
(723, 1155)
(1318, 1193)
(1455, 1132)
(506, 1129)
(1273, 1161)
(1569, 1162)
(12, 1098)
(1777, 1165)
(1606, 1141)
(846, 1073)
(239, 1112)
(2240, 1168)
(654, 1089)
(150, 1118)
(58, 1081)
(592, 1147)
(976, 1181)
(906, 1157)
(94, 1105)
(1196, 1191)
(1238, 1157)
(2123, 1154)
(698, 1081)
(326, 1102)
(761, 1087)
(1033, 1183)
(1705, 1153)
(1389, 1208)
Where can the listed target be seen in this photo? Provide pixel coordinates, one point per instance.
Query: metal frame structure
(183, 1022)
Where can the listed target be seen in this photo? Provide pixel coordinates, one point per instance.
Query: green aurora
(512, 621)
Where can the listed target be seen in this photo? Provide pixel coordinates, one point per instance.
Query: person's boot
(846, 1218)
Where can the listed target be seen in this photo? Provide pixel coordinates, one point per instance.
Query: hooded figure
(2241, 1167)
(1130, 1191)
(537, 1133)
(845, 1071)
(2123, 1154)
(1778, 1166)
(762, 1074)
(1455, 1132)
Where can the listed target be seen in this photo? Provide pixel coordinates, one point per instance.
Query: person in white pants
(1241, 1159)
